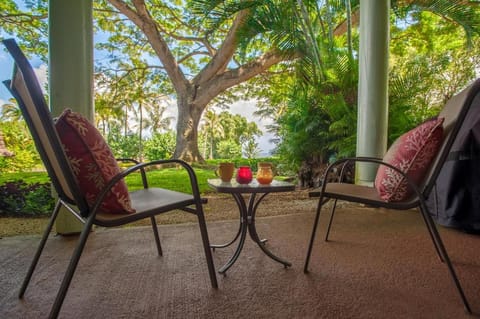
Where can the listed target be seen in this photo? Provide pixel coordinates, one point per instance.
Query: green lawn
(29, 177)
(170, 178)
(22, 198)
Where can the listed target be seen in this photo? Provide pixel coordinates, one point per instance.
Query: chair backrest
(454, 113)
(25, 88)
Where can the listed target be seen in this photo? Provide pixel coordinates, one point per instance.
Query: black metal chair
(147, 202)
(454, 114)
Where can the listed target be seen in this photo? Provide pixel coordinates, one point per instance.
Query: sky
(244, 108)
(5, 74)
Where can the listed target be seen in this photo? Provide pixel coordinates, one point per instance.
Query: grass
(29, 177)
(170, 178)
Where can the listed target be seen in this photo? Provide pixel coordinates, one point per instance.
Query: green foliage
(228, 149)
(320, 120)
(172, 178)
(251, 149)
(430, 62)
(28, 25)
(29, 177)
(225, 135)
(18, 141)
(19, 198)
(160, 146)
(123, 146)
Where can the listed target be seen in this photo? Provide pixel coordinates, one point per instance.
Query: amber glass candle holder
(264, 173)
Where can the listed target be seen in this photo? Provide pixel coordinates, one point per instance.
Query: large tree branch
(224, 54)
(342, 27)
(142, 18)
(228, 79)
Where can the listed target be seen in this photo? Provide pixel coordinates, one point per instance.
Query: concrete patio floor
(378, 264)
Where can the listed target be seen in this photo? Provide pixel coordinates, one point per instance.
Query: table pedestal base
(247, 224)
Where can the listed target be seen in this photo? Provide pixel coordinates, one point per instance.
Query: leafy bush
(229, 149)
(160, 146)
(18, 198)
(123, 146)
(19, 142)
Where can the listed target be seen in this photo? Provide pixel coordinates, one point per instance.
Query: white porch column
(70, 69)
(372, 122)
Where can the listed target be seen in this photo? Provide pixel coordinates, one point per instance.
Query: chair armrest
(142, 170)
(141, 167)
(128, 160)
(345, 161)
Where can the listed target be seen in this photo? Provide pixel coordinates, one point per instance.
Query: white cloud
(6, 70)
(246, 109)
(42, 75)
(171, 111)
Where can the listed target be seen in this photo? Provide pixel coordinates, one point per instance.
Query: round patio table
(247, 213)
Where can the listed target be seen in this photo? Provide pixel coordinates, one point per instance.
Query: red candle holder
(244, 175)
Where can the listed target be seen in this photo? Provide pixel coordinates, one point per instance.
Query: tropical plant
(17, 140)
(426, 65)
(228, 149)
(19, 198)
(160, 146)
(227, 135)
(27, 22)
(212, 131)
(123, 146)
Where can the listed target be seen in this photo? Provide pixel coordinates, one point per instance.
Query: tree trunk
(189, 115)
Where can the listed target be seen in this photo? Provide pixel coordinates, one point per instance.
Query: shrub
(17, 198)
(160, 146)
(19, 142)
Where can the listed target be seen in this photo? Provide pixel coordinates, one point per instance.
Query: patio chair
(415, 189)
(145, 203)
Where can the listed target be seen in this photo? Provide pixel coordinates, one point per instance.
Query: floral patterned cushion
(412, 153)
(92, 162)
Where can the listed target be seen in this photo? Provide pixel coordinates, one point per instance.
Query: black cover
(455, 198)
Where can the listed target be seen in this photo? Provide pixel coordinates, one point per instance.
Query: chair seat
(147, 202)
(364, 194)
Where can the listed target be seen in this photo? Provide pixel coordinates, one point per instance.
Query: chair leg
(314, 232)
(155, 234)
(437, 242)
(431, 226)
(206, 245)
(72, 266)
(38, 253)
(331, 219)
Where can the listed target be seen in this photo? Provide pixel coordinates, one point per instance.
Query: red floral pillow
(412, 153)
(92, 162)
